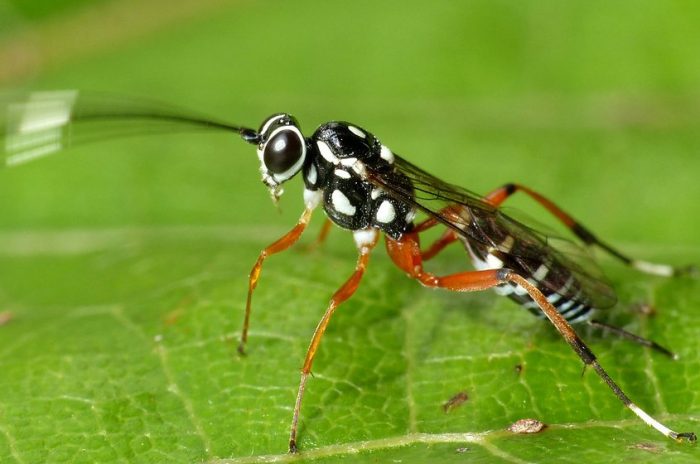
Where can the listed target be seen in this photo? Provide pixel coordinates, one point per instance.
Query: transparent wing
(487, 226)
(43, 123)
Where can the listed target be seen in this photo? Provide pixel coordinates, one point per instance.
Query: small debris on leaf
(5, 317)
(648, 447)
(643, 308)
(527, 426)
(518, 369)
(455, 402)
(462, 450)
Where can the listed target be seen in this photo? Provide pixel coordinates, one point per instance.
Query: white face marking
(312, 198)
(386, 212)
(365, 237)
(269, 122)
(348, 161)
(342, 204)
(386, 154)
(312, 175)
(326, 152)
(342, 174)
(541, 273)
(356, 131)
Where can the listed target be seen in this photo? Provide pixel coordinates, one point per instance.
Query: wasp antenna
(249, 135)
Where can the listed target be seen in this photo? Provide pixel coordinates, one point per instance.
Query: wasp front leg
(287, 240)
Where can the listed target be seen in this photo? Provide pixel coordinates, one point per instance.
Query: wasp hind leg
(407, 256)
(500, 195)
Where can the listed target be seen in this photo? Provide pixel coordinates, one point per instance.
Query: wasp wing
(483, 225)
(44, 123)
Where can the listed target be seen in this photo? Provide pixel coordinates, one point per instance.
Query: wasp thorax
(282, 149)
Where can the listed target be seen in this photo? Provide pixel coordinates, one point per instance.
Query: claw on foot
(687, 271)
(690, 436)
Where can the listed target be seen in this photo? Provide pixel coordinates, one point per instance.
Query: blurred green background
(123, 264)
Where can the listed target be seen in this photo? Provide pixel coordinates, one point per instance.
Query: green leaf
(123, 265)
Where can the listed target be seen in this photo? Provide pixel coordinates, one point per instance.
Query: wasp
(364, 187)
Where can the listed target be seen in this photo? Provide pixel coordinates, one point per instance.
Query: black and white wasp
(364, 187)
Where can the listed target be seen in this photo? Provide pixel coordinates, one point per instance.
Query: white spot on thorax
(386, 212)
(348, 161)
(386, 154)
(375, 193)
(342, 204)
(356, 131)
(326, 152)
(342, 174)
(359, 168)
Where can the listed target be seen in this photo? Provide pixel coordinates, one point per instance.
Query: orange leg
(342, 294)
(280, 245)
(322, 235)
(325, 229)
(498, 196)
(407, 256)
(448, 237)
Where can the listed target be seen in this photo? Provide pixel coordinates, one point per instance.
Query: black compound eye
(282, 151)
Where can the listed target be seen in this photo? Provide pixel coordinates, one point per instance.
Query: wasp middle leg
(366, 241)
